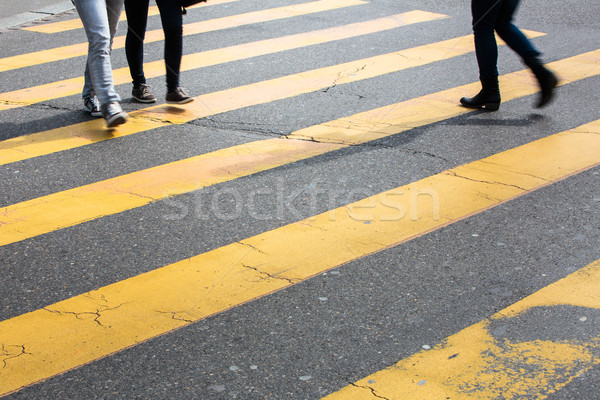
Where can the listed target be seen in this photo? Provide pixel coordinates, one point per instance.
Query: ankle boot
(488, 98)
(545, 78)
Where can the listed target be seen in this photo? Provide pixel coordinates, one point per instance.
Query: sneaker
(143, 94)
(178, 96)
(114, 114)
(92, 105)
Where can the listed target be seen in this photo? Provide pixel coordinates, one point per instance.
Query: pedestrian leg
(517, 41)
(485, 14)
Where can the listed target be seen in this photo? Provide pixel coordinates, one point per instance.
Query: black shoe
(546, 79)
(488, 98)
(548, 82)
(178, 96)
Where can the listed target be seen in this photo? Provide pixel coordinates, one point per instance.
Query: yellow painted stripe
(77, 50)
(62, 26)
(60, 210)
(36, 94)
(79, 330)
(474, 364)
(73, 136)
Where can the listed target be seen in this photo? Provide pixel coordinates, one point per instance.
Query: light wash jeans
(100, 19)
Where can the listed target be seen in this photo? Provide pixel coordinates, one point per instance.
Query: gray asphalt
(380, 308)
(17, 13)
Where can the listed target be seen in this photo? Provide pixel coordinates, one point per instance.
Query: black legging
(170, 15)
(490, 15)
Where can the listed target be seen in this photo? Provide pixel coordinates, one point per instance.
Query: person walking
(497, 15)
(172, 23)
(100, 19)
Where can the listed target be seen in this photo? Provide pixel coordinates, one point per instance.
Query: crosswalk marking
(81, 49)
(82, 134)
(56, 211)
(90, 326)
(62, 26)
(477, 363)
(71, 207)
(32, 95)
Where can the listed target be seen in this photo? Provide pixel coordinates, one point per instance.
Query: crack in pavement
(175, 317)
(5, 352)
(138, 195)
(367, 388)
(352, 383)
(269, 276)
(369, 143)
(157, 120)
(453, 173)
(340, 76)
(346, 94)
(244, 127)
(14, 103)
(415, 152)
(486, 196)
(252, 247)
(516, 172)
(45, 106)
(78, 315)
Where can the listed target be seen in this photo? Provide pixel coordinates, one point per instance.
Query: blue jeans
(100, 19)
(497, 15)
(172, 23)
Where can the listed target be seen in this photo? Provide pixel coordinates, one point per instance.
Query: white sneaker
(114, 114)
(92, 105)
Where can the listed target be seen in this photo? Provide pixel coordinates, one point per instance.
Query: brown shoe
(143, 94)
(178, 96)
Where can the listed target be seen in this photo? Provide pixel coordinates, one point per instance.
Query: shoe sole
(146, 101)
(184, 101)
(485, 106)
(93, 113)
(116, 120)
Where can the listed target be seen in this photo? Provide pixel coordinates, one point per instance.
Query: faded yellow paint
(67, 87)
(56, 211)
(475, 365)
(87, 327)
(80, 49)
(39, 144)
(395, 118)
(73, 136)
(63, 26)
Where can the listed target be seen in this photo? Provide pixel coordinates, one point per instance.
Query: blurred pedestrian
(172, 23)
(100, 19)
(490, 15)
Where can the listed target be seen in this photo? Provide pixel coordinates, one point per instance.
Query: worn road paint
(67, 87)
(499, 358)
(47, 142)
(60, 210)
(81, 49)
(63, 26)
(79, 330)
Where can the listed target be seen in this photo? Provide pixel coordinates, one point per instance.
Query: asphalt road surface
(322, 221)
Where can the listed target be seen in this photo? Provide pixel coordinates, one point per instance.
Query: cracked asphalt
(321, 334)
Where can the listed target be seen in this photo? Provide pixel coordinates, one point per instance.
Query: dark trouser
(490, 15)
(170, 15)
